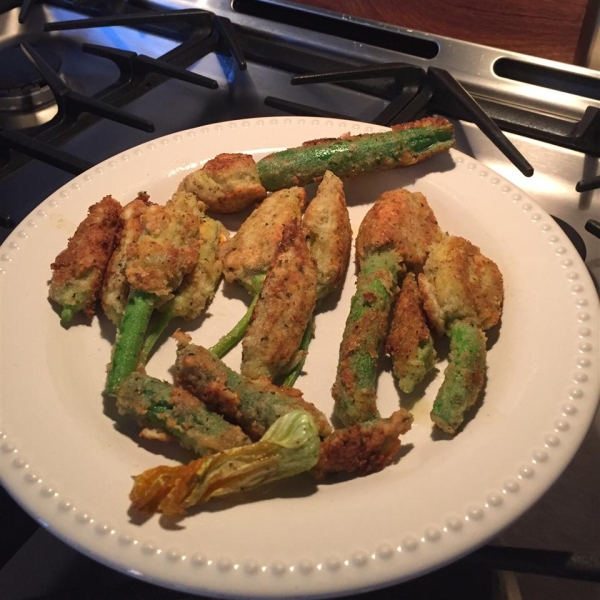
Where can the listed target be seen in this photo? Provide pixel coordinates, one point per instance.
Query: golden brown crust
(284, 307)
(425, 122)
(202, 375)
(402, 221)
(435, 122)
(408, 331)
(227, 183)
(199, 285)
(185, 403)
(206, 379)
(253, 405)
(319, 142)
(115, 287)
(167, 247)
(363, 448)
(87, 254)
(458, 282)
(329, 233)
(251, 251)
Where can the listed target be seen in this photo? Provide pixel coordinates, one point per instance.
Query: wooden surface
(545, 28)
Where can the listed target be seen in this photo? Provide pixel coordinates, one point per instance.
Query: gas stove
(224, 61)
(80, 82)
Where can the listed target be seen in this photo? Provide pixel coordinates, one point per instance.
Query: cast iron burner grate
(138, 75)
(436, 91)
(416, 96)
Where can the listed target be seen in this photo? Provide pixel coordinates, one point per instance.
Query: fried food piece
(290, 446)
(402, 221)
(463, 378)
(463, 293)
(198, 286)
(167, 248)
(231, 182)
(460, 283)
(253, 405)
(78, 270)
(115, 287)
(157, 261)
(248, 255)
(283, 310)
(157, 404)
(227, 183)
(409, 341)
(329, 241)
(329, 233)
(354, 390)
(396, 233)
(348, 156)
(363, 448)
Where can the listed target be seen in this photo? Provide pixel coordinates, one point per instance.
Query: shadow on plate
(300, 486)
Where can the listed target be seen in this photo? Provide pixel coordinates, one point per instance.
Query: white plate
(68, 465)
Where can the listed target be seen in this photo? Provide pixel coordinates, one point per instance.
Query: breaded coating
(248, 255)
(283, 309)
(167, 249)
(199, 285)
(351, 155)
(115, 287)
(355, 387)
(459, 283)
(463, 378)
(396, 233)
(409, 342)
(463, 294)
(78, 270)
(363, 448)
(253, 405)
(329, 233)
(402, 221)
(174, 411)
(227, 183)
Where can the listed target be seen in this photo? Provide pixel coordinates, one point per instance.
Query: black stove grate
(72, 104)
(138, 75)
(418, 90)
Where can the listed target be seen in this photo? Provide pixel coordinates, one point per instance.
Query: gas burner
(26, 100)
